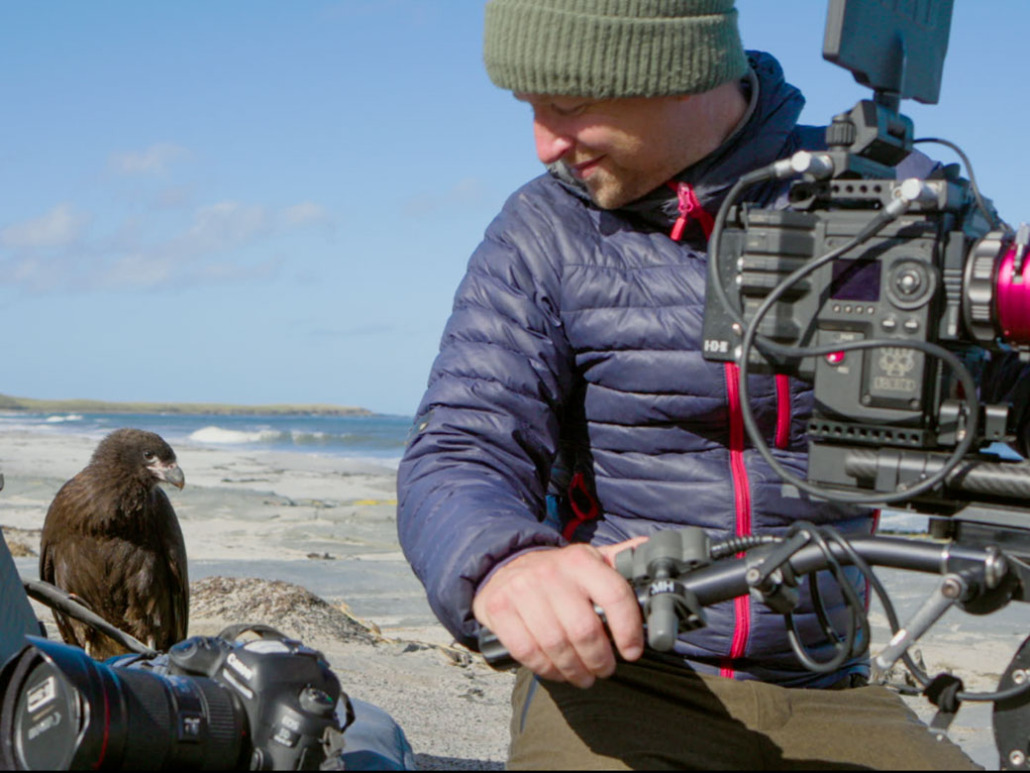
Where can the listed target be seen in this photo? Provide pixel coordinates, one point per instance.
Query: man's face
(620, 148)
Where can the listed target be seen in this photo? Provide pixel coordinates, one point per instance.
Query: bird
(111, 539)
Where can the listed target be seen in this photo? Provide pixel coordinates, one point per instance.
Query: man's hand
(541, 607)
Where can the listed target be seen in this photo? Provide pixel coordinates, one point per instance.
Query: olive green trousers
(653, 716)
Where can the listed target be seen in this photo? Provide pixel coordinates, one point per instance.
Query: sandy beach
(327, 525)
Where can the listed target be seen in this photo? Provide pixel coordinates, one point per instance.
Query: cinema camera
(890, 296)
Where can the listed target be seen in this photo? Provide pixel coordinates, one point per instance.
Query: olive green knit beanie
(612, 48)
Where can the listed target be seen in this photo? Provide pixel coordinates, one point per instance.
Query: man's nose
(551, 142)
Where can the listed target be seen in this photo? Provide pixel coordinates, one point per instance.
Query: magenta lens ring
(1012, 299)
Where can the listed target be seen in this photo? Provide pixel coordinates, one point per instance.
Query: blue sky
(259, 202)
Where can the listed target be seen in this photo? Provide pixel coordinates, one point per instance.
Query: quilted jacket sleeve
(472, 484)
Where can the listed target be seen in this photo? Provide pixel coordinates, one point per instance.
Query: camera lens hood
(60, 709)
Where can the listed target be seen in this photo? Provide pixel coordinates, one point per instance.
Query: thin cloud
(306, 213)
(216, 245)
(155, 160)
(226, 225)
(60, 227)
(149, 271)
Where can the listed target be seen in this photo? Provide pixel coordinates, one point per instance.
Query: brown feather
(111, 537)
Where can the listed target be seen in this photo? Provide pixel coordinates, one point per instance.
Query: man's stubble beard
(610, 191)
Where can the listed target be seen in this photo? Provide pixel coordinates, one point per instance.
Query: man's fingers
(620, 605)
(577, 647)
(616, 597)
(610, 551)
(590, 652)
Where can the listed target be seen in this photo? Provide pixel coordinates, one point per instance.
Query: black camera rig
(890, 296)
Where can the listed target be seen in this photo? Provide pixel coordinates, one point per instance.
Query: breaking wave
(374, 436)
(222, 436)
(216, 435)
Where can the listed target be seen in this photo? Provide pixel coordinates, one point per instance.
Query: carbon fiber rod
(971, 476)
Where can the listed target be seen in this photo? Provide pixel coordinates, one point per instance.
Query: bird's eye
(148, 455)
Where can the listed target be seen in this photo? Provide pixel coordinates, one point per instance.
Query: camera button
(286, 737)
(889, 324)
(191, 727)
(316, 701)
(912, 325)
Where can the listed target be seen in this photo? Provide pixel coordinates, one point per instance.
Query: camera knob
(909, 282)
(316, 701)
(840, 133)
(979, 287)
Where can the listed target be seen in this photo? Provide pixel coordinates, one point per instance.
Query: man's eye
(570, 111)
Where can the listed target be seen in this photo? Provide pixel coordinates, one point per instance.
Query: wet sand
(328, 525)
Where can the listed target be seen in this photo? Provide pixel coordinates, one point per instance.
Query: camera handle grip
(662, 622)
(497, 655)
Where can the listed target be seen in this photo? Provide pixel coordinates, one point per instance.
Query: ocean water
(379, 437)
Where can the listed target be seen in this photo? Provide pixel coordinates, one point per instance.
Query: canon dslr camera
(210, 703)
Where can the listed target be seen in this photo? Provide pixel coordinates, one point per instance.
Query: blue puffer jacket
(575, 347)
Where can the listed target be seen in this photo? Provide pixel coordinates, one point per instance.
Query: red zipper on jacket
(583, 505)
(742, 499)
(690, 209)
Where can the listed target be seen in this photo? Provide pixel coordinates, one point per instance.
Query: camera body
(888, 295)
(904, 284)
(209, 703)
(931, 276)
(286, 691)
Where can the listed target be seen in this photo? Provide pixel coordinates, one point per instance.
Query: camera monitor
(895, 47)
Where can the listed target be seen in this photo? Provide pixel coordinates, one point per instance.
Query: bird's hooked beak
(168, 472)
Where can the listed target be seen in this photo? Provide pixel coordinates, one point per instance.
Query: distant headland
(29, 405)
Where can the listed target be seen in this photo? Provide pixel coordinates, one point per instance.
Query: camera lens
(996, 291)
(60, 709)
(47, 740)
(1013, 298)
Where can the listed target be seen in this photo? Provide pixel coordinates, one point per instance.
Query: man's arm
(473, 481)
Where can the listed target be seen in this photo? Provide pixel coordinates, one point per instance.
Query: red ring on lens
(1012, 294)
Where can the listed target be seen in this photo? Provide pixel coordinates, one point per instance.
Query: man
(570, 413)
